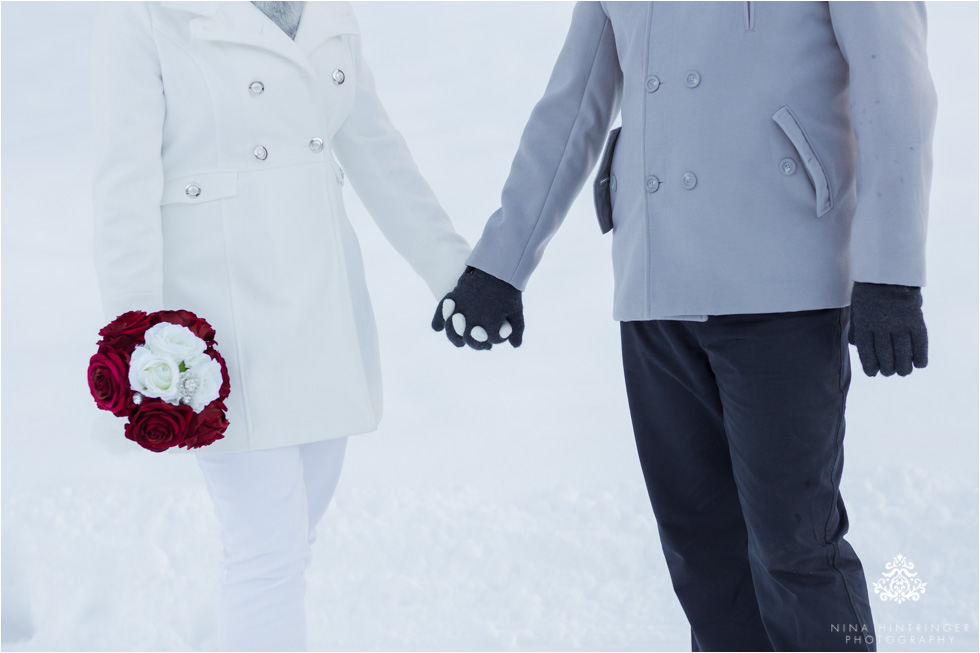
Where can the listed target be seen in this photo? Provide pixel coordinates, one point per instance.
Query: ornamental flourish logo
(899, 583)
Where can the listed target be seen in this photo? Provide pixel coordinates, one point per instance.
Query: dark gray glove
(481, 311)
(888, 329)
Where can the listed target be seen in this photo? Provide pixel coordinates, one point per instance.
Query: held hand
(888, 329)
(481, 311)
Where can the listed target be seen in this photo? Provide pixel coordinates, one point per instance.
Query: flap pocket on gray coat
(818, 177)
(602, 187)
(196, 189)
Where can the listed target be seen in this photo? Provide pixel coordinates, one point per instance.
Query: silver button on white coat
(653, 83)
(693, 79)
(652, 184)
(316, 145)
(338, 76)
(689, 180)
(787, 166)
(256, 88)
(192, 190)
(261, 153)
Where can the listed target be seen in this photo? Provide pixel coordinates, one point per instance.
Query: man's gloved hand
(887, 328)
(481, 311)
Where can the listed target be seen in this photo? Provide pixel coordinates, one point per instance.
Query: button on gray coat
(770, 153)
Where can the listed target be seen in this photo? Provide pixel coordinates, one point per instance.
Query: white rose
(203, 378)
(173, 340)
(154, 375)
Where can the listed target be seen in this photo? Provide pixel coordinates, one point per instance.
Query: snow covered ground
(500, 505)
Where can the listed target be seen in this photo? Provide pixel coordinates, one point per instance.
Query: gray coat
(770, 153)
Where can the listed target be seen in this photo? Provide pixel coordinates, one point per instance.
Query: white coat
(216, 191)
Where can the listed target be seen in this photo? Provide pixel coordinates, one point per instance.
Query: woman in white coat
(216, 191)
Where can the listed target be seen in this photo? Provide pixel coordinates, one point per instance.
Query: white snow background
(500, 505)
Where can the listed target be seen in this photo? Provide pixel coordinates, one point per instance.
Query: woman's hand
(481, 311)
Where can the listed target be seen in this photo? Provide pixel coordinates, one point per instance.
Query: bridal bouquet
(163, 373)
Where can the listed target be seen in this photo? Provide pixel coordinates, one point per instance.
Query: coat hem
(273, 445)
(690, 314)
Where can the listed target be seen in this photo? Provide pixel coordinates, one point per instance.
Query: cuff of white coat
(148, 302)
(443, 280)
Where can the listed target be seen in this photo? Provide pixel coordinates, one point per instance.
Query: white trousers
(268, 503)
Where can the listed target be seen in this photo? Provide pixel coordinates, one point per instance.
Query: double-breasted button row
(261, 153)
(689, 180)
(692, 79)
(257, 87)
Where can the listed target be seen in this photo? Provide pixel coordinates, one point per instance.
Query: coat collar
(243, 23)
(202, 8)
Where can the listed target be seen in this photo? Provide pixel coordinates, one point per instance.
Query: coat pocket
(196, 189)
(602, 188)
(818, 177)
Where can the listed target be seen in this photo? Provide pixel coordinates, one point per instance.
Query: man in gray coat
(767, 194)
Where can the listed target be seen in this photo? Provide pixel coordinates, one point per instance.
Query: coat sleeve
(128, 110)
(560, 145)
(386, 179)
(893, 112)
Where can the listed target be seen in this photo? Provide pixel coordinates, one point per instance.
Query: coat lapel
(322, 21)
(200, 8)
(244, 24)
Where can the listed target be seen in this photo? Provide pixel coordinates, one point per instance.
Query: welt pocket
(787, 122)
(200, 188)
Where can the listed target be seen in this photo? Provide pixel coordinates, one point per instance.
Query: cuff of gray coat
(492, 266)
(141, 301)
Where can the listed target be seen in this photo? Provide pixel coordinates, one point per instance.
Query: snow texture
(500, 505)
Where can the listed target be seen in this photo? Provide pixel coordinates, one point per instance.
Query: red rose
(207, 426)
(198, 326)
(157, 425)
(225, 381)
(126, 331)
(108, 381)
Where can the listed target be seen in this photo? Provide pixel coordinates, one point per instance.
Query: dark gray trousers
(739, 424)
